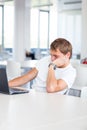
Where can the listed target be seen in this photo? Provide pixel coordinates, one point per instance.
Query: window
(34, 28)
(39, 28)
(8, 26)
(43, 29)
(70, 28)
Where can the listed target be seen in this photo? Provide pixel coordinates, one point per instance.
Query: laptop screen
(3, 81)
(4, 88)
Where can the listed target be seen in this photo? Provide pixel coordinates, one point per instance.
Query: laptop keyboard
(16, 91)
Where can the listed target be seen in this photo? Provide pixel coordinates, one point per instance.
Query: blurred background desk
(15, 69)
(3, 63)
(28, 63)
(42, 111)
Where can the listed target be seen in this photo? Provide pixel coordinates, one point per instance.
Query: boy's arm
(23, 79)
(54, 85)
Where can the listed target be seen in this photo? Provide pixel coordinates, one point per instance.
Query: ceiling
(34, 3)
(2, 2)
(41, 2)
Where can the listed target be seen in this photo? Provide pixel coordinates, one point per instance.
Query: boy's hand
(59, 62)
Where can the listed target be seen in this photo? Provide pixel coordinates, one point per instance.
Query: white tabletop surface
(42, 111)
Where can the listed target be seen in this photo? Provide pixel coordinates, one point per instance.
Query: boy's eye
(55, 56)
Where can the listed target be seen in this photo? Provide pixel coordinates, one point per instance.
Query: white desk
(42, 111)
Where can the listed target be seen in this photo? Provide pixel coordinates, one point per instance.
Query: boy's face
(56, 54)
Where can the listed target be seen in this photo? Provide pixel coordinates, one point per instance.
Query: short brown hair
(63, 45)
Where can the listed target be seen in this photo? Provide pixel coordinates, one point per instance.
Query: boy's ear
(68, 55)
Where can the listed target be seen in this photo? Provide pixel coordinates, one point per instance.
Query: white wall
(22, 29)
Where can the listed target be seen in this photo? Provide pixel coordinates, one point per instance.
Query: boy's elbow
(50, 89)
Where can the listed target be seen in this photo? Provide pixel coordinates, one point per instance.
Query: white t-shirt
(68, 74)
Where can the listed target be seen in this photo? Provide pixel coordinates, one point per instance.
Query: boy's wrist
(52, 64)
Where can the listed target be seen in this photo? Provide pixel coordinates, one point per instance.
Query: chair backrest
(81, 79)
(13, 69)
(75, 62)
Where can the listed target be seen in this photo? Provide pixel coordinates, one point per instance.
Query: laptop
(4, 88)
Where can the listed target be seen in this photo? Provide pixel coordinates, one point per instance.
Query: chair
(81, 79)
(75, 62)
(13, 69)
